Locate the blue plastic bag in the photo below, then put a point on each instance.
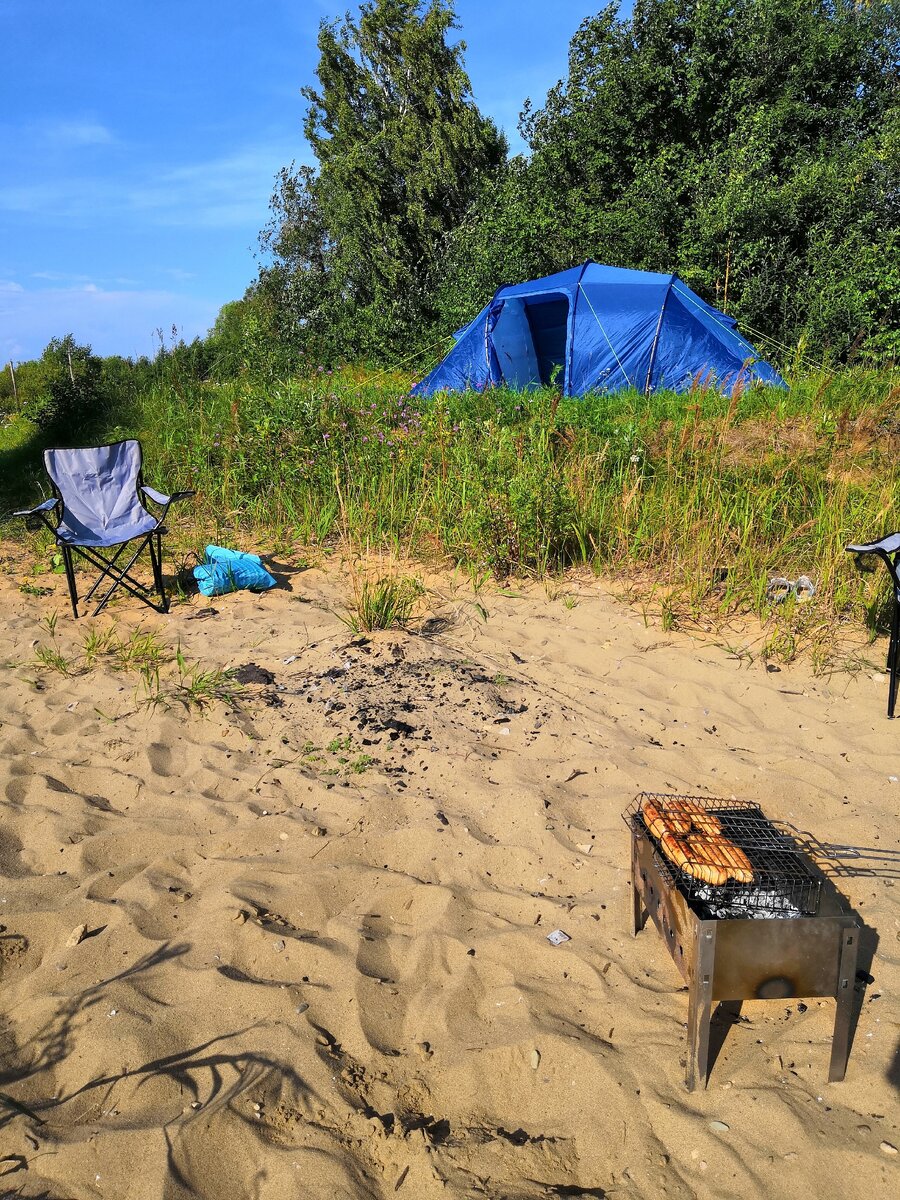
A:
(224, 571)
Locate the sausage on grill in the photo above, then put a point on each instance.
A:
(660, 822)
(692, 860)
(698, 816)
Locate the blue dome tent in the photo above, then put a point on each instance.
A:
(599, 329)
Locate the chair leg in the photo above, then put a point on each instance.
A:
(115, 573)
(70, 579)
(119, 580)
(106, 569)
(156, 559)
(894, 659)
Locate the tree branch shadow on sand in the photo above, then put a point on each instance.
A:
(55, 1041)
(205, 1073)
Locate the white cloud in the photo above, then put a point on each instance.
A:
(111, 321)
(7, 285)
(76, 133)
(232, 191)
(60, 277)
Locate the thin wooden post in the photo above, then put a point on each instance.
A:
(12, 375)
(727, 272)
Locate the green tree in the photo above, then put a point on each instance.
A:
(357, 243)
(749, 145)
(63, 391)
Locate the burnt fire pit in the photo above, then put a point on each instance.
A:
(743, 910)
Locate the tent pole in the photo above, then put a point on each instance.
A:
(656, 336)
(570, 330)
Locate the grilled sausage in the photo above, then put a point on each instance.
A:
(661, 820)
(739, 863)
(705, 863)
(720, 852)
(693, 861)
(697, 815)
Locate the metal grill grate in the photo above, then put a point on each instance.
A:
(785, 883)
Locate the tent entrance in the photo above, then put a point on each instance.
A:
(530, 339)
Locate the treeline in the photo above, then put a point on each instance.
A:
(70, 390)
(752, 146)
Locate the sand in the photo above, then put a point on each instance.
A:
(316, 960)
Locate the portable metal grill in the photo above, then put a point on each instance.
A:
(784, 884)
(786, 934)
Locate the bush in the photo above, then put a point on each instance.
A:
(66, 388)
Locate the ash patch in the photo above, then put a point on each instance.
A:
(398, 695)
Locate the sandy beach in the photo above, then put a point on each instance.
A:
(314, 960)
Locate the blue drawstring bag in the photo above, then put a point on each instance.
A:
(224, 571)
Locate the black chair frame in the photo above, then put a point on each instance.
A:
(110, 567)
(888, 550)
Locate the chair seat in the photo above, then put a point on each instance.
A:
(114, 532)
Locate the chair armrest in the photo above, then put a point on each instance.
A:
(41, 508)
(159, 498)
(888, 545)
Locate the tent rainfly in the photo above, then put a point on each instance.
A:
(599, 329)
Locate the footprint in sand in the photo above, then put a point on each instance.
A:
(16, 791)
(13, 948)
(11, 864)
(160, 759)
(398, 961)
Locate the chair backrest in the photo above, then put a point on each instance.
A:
(98, 485)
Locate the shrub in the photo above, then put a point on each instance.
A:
(66, 389)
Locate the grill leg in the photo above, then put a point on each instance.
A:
(840, 1041)
(638, 915)
(700, 1006)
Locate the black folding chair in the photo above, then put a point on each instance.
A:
(888, 550)
(97, 506)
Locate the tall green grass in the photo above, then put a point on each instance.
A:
(698, 498)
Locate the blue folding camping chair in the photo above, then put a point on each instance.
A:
(97, 507)
(888, 550)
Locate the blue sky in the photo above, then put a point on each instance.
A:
(140, 142)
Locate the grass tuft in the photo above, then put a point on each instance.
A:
(383, 603)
